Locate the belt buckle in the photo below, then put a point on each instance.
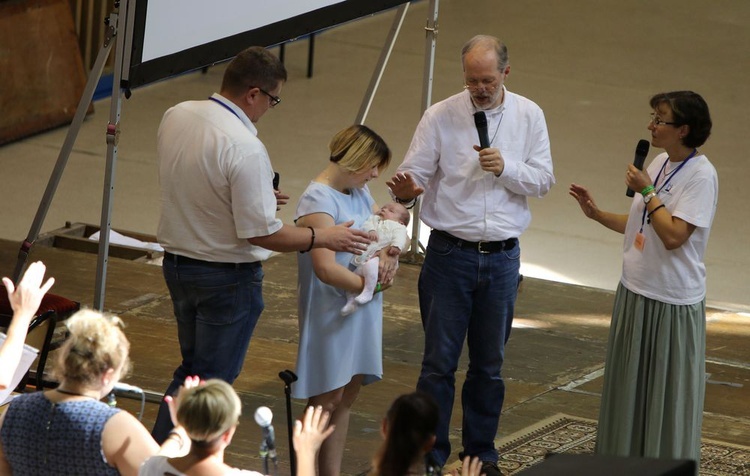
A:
(479, 247)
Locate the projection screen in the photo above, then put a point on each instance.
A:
(168, 37)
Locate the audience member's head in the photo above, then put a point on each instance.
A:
(95, 353)
(409, 431)
(209, 411)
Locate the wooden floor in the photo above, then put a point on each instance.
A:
(553, 362)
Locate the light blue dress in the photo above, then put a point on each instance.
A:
(333, 348)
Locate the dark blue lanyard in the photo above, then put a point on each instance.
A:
(225, 107)
(663, 168)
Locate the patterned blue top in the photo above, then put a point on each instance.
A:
(41, 437)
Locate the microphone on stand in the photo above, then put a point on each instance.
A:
(263, 417)
(641, 151)
(120, 387)
(480, 120)
(123, 387)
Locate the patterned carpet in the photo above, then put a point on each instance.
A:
(566, 434)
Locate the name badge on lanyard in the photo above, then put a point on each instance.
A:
(640, 241)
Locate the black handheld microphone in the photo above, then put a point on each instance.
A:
(641, 151)
(480, 120)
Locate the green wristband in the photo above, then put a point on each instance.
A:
(647, 190)
(378, 288)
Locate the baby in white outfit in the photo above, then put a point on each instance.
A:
(387, 227)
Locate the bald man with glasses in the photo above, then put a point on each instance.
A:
(475, 201)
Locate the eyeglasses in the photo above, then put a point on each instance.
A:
(487, 85)
(658, 122)
(275, 100)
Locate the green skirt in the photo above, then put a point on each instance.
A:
(654, 379)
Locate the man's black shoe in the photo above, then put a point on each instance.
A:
(489, 468)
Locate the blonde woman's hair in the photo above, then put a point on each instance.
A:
(358, 148)
(208, 410)
(95, 344)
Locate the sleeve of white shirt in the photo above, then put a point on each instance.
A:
(253, 198)
(532, 177)
(697, 202)
(421, 160)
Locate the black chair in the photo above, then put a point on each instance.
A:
(52, 310)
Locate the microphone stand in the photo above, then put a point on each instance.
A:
(289, 377)
(267, 454)
(263, 452)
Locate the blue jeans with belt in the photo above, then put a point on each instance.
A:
(465, 293)
(217, 306)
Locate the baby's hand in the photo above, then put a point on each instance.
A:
(373, 235)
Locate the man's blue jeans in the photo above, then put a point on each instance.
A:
(464, 294)
(216, 309)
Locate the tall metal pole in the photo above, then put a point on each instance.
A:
(113, 136)
(385, 53)
(416, 251)
(431, 31)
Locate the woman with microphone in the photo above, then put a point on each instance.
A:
(654, 375)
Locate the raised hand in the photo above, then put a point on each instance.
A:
(470, 467)
(25, 299)
(173, 402)
(404, 187)
(309, 436)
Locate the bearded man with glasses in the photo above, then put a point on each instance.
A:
(475, 201)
